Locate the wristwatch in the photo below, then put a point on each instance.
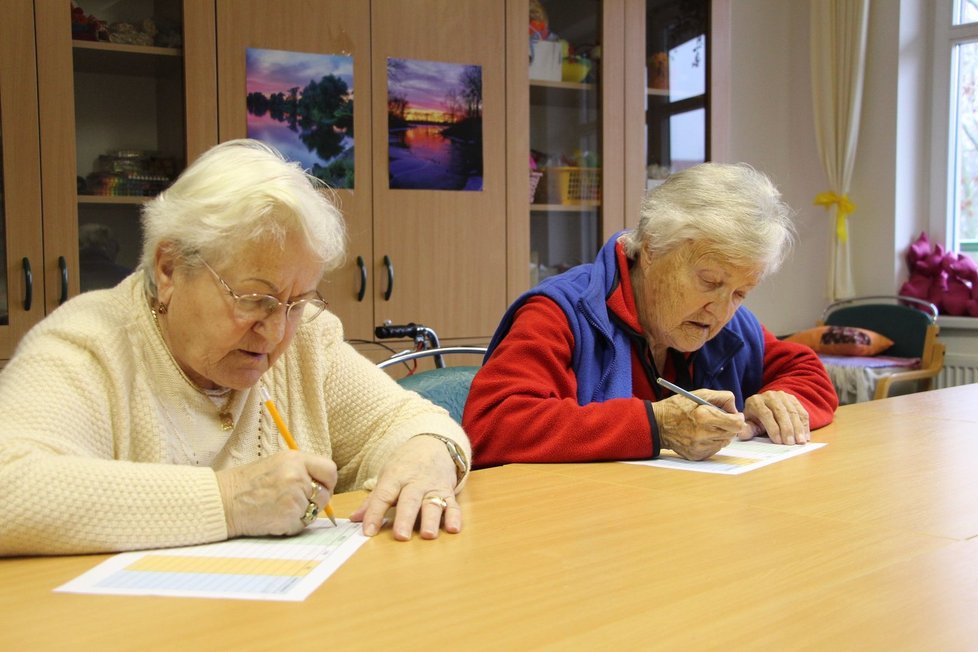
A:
(456, 453)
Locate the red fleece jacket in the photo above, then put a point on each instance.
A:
(522, 406)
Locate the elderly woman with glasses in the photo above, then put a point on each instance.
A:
(572, 373)
(144, 416)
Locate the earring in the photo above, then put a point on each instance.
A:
(161, 308)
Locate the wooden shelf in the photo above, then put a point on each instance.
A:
(562, 85)
(119, 59)
(550, 94)
(109, 200)
(585, 207)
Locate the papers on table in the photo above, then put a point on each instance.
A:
(260, 568)
(735, 458)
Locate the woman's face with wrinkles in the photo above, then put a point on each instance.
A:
(686, 296)
(212, 346)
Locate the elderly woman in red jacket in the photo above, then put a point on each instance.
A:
(571, 373)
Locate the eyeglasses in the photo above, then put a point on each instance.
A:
(258, 307)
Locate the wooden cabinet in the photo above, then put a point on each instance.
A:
(113, 119)
(21, 288)
(449, 259)
(444, 249)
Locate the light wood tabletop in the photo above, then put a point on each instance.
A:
(870, 542)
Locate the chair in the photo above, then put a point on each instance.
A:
(916, 354)
(444, 385)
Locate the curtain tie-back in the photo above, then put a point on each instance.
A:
(844, 208)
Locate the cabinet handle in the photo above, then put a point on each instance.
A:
(390, 277)
(363, 278)
(63, 268)
(28, 284)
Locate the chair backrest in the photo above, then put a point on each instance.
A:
(445, 386)
(912, 329)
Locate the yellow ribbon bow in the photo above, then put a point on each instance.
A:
(844, 208)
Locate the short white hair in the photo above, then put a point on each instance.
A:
(729, 207)
(235, 193)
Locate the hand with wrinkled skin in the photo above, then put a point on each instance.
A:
(778, 414)
(421, 468)
(695, 431)
(270, 496)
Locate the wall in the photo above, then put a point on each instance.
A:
(771, 126)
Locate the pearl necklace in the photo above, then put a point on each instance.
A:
(224, 411)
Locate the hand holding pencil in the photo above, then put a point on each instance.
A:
(311, 513)
(693, 433)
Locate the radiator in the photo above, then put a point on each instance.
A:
(959, 369)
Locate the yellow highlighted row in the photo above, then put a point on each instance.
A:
(223, 565)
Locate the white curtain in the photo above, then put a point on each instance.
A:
(838, 58)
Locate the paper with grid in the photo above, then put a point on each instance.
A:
(259, 568)
(735, 458)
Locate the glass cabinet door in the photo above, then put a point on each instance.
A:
(129, 127)
(566, 136)
(677, 65)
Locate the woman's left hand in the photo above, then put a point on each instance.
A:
(778, 414)
(419, 479)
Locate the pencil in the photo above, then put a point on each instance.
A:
(688, 394)
(287, 436)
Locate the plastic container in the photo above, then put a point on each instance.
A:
(574, 185)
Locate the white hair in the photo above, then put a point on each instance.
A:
(729, 207)
(235, 193)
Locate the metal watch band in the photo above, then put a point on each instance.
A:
(456, 453)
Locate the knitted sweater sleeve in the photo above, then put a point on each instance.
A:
(79, 470)
(368, 415)
(523, 406)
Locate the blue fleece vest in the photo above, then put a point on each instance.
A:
(602, 362)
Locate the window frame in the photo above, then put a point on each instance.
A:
(943, 183)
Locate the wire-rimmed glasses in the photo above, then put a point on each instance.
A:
(258, 307)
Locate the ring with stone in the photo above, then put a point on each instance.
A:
(312, 511)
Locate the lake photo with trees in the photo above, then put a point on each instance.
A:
(302, 104)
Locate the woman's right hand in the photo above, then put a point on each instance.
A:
(695, 431)
(270, 496)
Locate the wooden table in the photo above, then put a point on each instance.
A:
(868, 543)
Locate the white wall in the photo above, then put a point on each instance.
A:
(771, 126)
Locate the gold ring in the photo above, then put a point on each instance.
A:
(437, 500)
(316, 488)
(312, 511)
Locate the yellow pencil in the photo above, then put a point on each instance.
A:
(287, 436)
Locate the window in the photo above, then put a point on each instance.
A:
(956, 61)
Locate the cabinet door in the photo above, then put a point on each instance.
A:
(335, 27)
(667, 92)
(114, 129)
(567, 133)
(21, 291)
(435, 257)
(448, 247)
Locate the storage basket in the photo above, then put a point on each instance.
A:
(574, 185)
(534, 180)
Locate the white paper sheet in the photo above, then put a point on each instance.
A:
(735, 458)
(259, 568)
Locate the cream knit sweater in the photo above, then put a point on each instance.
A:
(98, 428)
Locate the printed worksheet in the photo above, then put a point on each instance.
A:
(735, 458)
(258, 568)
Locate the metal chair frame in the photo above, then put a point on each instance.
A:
(437, 353)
